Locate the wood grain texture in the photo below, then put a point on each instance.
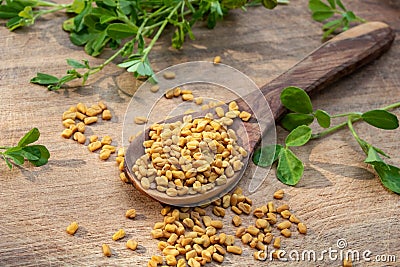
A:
(338, 197)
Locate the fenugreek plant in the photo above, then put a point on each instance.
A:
(290, 168)
(38, 155)
(123, 25)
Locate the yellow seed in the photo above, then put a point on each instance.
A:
(261, 223)
(67, 133)
(94, 146)
(123, 178)
(73, 128)
(236, 210)
(216, 224)
(91, 112)
(284, 225)
(282, 208)
(104, 154)
(69, 115)
(158, 259)
(293, 219)
(234, 249)
(271, 218)
(169, 75)
(258, 212)
(81, 127)
(78, 136)
(286, 214)
(233, 106)
(131, 213)
(68, 122)
(140, 120)
(132, 244)
(106, 115)
(217, 60)
(246, 238)
(90, 120)
(187, 97)
(171, 260)
(154, 88)
(177, 91)
(170, 250)
(236, 220)
(286, 232)
(81, 108)
(118, 235)
(302, 228)
(277, 242)
(157, 233)
(220, 111)
(347, 263)
(218, 258)
(152, 263)
(268, 238)
(102, 105)
(245, 116)
(279, 194)
(80, 116)
(106, 250)
(108, 147)
(192, 262)
(181, 263)
(198, 100)
(93, 138)
(252, 230)
(271, 206)
(72, 228)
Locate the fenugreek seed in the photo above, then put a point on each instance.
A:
(198, 229)
(261, 223)
(231, 114)
(236, 220)
(140, 120)
(131, 213)
(118, 235)
(67, 133)
(94, 146)
(169, 75)
(245, 116)
(187, 97)
(217, 257)
(106, 115)
(234, 249)
(219, 211)
(177, 91)
(210, 230)
(279, 194)
(293, 219)
(216, 224)
(246, 238)
(93, 138)
(302, 228)
(259, 255)
(145, 183)
(220, 249)
(206, 220)
(92, 112)
(271, 218)
(68, 122)
(258, 212)
(72, 228)
(172, 192)
(90, 120)
(286, 232)
(171, 260)
(69, 115)
(260, 245)
(157, 233)
(162, 244)
(158, 259)
(109, 147)
(286, 214)
(81, 108)
(217, 59)
(220, 111)
(347, 263)
(271, 207)
(80, 116)
(252, 230)
(170, 250)
(81, 127)
(277, 242)
(165, 210)
(181, 263)
(284, 225)
(104, 154)
(234, 199)
(188, 223)
(282, 208)
(268, 238)
(123, 177)
(132, 244)
(236, 210)
(192, 262)
(222, 238)
(198, 249)
(169, 94)
(245, 207)
(106, 250)
(233, 106)
(154, 88)
(226, 201)
(190, 254)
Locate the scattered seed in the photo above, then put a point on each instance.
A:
(302, 228)
(72, 228)
(131, 213)
(118, 235)
(279, 194)
(132, 244)
(169, 75)
(106, 250)
(140, 120)
(155, 88)
(217, 60)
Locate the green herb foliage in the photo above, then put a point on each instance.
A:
(341, 18)
(290, 168)
(38, 155)
(121, 25)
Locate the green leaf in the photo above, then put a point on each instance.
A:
(7, 12)
(290, 168)
(332, 3)
(30, 153)
(373, 156)
(296, 99)
(68, 25)
(77, 6)
(323, 118)
(317, 5)
(381, 119)
(389, 176)
(75, 64)
(265, 156)
(340, 4)
(269, 4)
(26, 13)
(44, 79)
(299, 136)
(16, 158)
(350, 16)
(293, 120)
(44, 155)
(120, 31)
(331, 23)
(29, 137)
(322, 15)
(8, 162)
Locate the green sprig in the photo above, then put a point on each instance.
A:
(38, 155)
(290, 169)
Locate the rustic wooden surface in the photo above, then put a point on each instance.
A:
(338, 197)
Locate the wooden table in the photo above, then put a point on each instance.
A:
(339, 197)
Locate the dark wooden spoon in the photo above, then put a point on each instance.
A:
(334, 59)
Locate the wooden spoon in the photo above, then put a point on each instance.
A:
(334, 59)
